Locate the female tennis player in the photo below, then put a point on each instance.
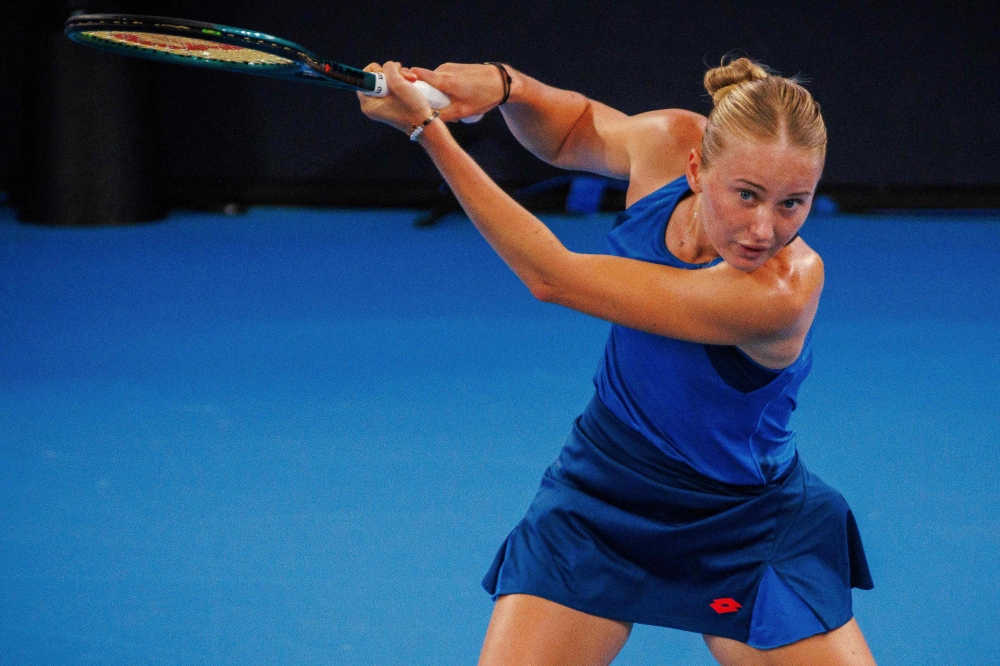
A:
(679, 499)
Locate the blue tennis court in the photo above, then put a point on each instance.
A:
(298, 436)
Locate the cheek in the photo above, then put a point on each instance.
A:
(729, 218)
(788, 227)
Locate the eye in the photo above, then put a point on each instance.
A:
(791, 204)
(746, 195)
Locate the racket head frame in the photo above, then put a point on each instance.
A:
(302, 65)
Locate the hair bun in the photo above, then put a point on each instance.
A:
(720, 81)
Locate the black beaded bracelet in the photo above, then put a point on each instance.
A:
(505, 75)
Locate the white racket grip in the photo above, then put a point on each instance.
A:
(436, 98)
(381, 89)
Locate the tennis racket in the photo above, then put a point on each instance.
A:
(231, 49)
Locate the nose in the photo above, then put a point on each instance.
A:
(762, 227)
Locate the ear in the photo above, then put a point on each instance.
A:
(694, 170)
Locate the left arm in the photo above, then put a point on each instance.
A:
(719, 305)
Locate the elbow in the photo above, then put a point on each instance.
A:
(542, 291)
(550, 281)
(544, 286)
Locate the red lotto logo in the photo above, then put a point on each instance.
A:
(726, 605)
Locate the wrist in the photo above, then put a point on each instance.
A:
(517, 83)
(505, 81)
(416, 129)
(433, 133)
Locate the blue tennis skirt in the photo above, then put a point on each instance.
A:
(620, 531)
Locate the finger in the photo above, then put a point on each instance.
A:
(373, 67)
(450, 116)
(408, 74)
(391, 70)
(398, 84)
(430, 76)
(455, 112)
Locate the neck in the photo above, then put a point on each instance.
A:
(691, 245)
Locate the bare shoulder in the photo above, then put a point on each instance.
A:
(788, 289)
(793, 278)
(804, 269)
(659, 145)
(670, 123)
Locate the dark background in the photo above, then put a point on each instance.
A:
(909, 93)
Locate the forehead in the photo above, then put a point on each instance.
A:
(776, 166)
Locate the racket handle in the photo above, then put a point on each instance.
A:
(439, 100)
(434, 97)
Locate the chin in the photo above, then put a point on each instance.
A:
(744, 264)
(745, 260)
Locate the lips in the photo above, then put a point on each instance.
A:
(752, 250)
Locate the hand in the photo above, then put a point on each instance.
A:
(473, 89)
(404, 106)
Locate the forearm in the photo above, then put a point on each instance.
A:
(530, 249)
(561, 127)
(718, 305)
(540, 116)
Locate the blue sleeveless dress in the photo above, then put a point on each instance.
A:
(679, 499)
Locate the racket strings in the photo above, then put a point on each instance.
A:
(189, 47)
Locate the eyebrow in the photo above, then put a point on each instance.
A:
(764, 189)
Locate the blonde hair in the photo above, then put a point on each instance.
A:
(752, 103)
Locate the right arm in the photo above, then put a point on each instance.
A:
(568, 130)
(716, 305)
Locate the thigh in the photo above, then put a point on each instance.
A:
(531, 631)
(844, 646)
